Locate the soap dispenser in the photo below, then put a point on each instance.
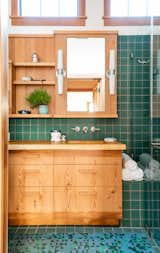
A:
(34, 57)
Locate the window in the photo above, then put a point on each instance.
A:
(131, 12)
(48, 12)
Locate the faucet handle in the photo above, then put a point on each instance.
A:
(76, 129)
(94, 129)
(85, 129)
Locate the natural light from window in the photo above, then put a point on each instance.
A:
(133, 8)
(48, 8)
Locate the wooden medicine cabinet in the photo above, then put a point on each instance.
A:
(79, 69)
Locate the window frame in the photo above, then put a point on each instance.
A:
(126, 21)
(18, 20)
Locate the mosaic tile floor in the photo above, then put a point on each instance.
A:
(83, 239)
(156, 235)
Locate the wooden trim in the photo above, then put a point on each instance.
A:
(129, 21)
(4, 126)
(32, 64)
(31, 36)
(125, 21)
(48, 21)
(81, 8)
(59, 218)
(48, 83)
(68, 145)
(86, 33)
(86, 115)
(14, 7)
(30, 116)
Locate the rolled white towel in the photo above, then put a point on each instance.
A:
(128, 162)
(145, 158)
(156, 175)
(137, 174)
(153, 164)
(148, 173)
(141, 166)
(131, 165)
(126, 175)
(152, 174)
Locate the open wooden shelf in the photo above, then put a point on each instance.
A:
(19, 82)
(30, 116)
(34, 64)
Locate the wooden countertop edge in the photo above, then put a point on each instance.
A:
(66, 146)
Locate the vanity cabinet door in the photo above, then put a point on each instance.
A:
(93, 157)
(31, 157)
(31, 175)
(87, 199)
(85, 175)
(99, 199)
(30, 200)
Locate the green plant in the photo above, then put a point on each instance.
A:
(38, 97)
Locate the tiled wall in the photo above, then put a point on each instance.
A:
(141, 204)
(132, 126)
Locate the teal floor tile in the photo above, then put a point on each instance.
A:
(120, 241)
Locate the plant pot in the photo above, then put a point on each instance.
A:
(43, 109)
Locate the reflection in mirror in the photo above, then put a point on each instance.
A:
(86, 74)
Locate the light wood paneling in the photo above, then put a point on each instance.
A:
(30, 200)
(89, 157)
(30, 158)
(3, 126)
(31, 175)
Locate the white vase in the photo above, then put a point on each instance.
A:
(43, 109)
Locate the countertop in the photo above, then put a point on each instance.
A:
(68, 145)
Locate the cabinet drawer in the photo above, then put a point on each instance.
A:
(31, 175)
(86, 175)
(30, 157)
(30, 199)
(88, 157)
(87, 199)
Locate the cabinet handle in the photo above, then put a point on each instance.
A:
(88, 171)
(30, 171)
(87, 193)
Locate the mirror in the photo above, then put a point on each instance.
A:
(85, 74)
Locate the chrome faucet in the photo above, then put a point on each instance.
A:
(94, 129)
(85, 129)
(76, 129)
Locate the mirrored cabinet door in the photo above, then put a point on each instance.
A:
(86, 74)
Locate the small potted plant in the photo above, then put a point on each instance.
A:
(40, 98)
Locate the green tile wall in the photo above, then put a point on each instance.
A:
(132, 126)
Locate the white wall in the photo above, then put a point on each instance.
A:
(94, 13)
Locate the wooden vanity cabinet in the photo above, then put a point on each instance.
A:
(65, 187)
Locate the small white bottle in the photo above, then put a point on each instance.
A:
(34, 57)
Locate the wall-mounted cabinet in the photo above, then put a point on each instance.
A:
(82, 63)
(42, 73)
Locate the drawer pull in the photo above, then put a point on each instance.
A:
(87, 193)
(88, 171)
(30, 171)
